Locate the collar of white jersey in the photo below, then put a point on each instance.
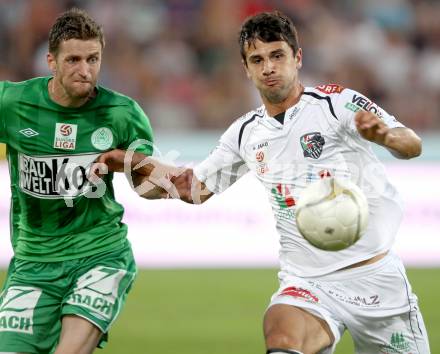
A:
(290, 115)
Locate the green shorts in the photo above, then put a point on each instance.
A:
(37, 295)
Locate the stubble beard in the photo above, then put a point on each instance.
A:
(276, 96)
(76, 93)
(280, 94)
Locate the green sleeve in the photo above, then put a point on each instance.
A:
(2, 115)
(138, 128)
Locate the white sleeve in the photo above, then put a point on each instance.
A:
(224, 166)
(348, 102)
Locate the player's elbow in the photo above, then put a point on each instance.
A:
(417, 149)
(414, 147)
(404, 143)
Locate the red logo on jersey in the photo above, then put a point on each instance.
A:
(330, 88)
(300, 293)
(259, 156)
(66, 130)
(283, 196)
(324, 173)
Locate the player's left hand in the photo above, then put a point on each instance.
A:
(371, 127)
(182, 182)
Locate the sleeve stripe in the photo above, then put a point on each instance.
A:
(329, 102)
(240, 135)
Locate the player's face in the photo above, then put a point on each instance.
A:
(273, 68)
(76, 67)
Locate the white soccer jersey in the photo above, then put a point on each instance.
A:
(318, 139)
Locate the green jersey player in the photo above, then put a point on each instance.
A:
(72, 265)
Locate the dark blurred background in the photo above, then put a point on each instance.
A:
(180, 58)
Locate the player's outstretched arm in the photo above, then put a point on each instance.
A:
(149, 177)
(403, 143)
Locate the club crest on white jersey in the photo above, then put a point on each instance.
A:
(312, 144)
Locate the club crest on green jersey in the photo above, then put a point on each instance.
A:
(102, 138)
(65, 136)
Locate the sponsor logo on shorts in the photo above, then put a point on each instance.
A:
(299, 293)
(97, 304)
(359, 301)
(17, 309)
(372, 300)
(398, 344)
(65, 136)
(97, 291)
(312, 144)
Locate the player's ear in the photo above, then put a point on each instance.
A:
(298, 58)
(51, 63)
(246, 68)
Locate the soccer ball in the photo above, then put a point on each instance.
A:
(332, 213)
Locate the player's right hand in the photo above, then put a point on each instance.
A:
(114, 160)
(371, 127)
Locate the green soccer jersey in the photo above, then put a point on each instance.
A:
(56, 212)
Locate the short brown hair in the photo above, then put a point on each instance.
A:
(268, 27)
(74, 24)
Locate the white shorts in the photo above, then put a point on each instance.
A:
(374, 303)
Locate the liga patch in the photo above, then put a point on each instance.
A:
(17, 309)
(97, 290)
(65, 136)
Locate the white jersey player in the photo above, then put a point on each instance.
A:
(315, 138)
(312, 139)
(299, 135)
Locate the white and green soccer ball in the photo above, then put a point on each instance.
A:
(332, 213)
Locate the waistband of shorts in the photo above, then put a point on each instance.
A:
(358, 272)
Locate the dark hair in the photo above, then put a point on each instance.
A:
(74, 24)
(268, 27)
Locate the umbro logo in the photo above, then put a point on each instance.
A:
(28, 132)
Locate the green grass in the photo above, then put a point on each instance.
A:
(220, 312)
